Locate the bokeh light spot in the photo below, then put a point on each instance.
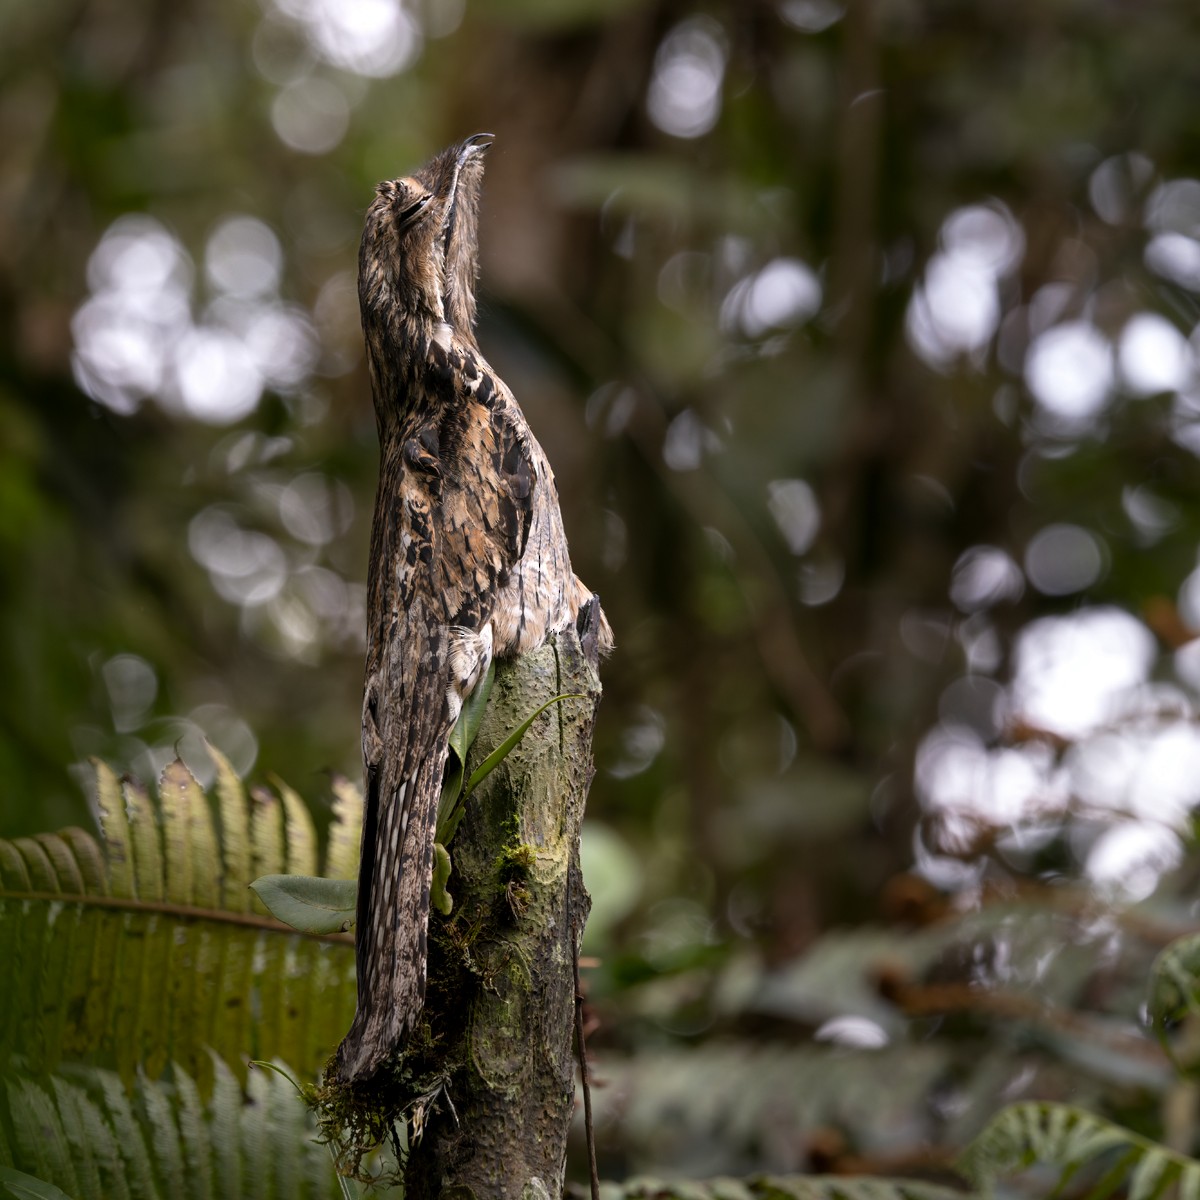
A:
(1154, 356)
(794, 506)
(368, 37)
(785, 293)
(811, 16)
(243, 257)
(1062, 559)
(685, 90)
(215, 379)
(132, 685)
(1175, 206)
(1176, 257)
(1115, 185)
(985, 576)
(311, 116)
(1069, 370)
(1072, 672)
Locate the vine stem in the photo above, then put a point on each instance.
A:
(589, 1129)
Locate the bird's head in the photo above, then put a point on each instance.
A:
(419, 257)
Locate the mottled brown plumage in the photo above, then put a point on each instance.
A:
(468, 560)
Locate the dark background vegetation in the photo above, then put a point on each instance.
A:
(858, 336)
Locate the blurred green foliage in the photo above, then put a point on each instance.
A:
(861, 337)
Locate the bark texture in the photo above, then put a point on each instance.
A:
(501, 995)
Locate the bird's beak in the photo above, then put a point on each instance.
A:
(477, 143)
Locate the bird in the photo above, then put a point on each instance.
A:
(468, 562)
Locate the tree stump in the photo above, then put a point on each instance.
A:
(500, 1002)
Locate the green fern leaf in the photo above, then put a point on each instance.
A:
(300, 832)
(118, 1113)
(114, 826)
(1189, 1186)
(82, 1132)
(89, 860)
(174, 802)
(1174, 992)
(165, 1144)
(236, 856)
(345, 832)
(1069, 1139)
(779, 1187)
(793, 1089)
(224, 1121)
(71, 1103)
(42, 877)
(252, 1128)
(33, 1135)
(149, 877)
(1150, 1177)
(14, 875)
(67, 875)
(130, 981)
(195, 1143)
(266, 834)
(279, 1106)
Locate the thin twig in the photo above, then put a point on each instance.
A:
(587, 1085)
(589, 1129)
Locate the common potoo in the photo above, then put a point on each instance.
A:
(468, 560)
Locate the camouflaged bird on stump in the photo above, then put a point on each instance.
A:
(468, 561)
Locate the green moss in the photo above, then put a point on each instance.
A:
(515, 861)
(367, 1120)
(358, 1119)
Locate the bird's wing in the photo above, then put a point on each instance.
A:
(452, 518)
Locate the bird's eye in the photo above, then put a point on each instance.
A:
(410, 212)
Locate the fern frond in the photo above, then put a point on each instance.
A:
(658, 1105)
(149, 880)
(81, 1131)
(1069, 1139)
(301, 835)
(148, 948)
(346, 830)
(1175, 982)
(777, 1187)
(266, 835)
(236, 847)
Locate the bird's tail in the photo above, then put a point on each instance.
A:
(404, 786)
(393, 915)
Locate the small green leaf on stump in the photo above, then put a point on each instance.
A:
(466, 729)
(462, 737)
(509, 744)
(438, 896)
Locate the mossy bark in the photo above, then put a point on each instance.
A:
(501, 997)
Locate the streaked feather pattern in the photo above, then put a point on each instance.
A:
(468, 559)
